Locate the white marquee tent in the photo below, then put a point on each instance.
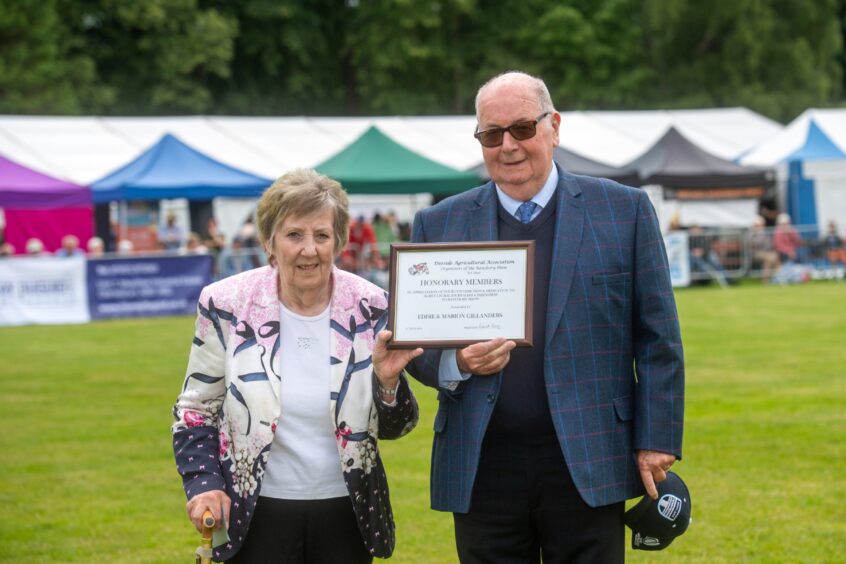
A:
(84, 149)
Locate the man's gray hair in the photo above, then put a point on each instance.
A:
(544, 99)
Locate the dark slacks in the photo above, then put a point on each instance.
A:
(314, 531)
(525, 507)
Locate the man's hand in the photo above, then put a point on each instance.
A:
(653, 466)
(485, 358)
(215, 501)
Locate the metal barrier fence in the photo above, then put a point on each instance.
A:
(779, 254)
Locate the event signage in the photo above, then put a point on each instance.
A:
(678, 257)
(446, 295)
(43, 290)
(146, 286)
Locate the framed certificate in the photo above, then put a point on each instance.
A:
(449, 295)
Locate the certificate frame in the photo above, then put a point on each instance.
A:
(508, 267)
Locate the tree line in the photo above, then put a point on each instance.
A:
(415, 57)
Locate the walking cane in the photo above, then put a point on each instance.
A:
(204, 551)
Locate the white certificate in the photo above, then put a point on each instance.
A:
(447, 295)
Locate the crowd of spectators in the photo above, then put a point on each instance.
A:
(780, 253)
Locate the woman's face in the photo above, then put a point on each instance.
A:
(304, 247)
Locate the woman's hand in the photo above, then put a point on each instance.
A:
(387, 364)
(215, 501)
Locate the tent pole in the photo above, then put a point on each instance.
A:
(122, 220)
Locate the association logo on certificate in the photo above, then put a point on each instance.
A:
(447, 295)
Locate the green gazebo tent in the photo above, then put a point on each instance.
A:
(375, 164)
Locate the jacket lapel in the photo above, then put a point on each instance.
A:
(263, 313)
(341, 334)
(482, 224)
(569, 225)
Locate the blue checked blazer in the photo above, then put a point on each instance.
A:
(613, 361)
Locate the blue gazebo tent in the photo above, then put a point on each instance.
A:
(810, 158)
(801, 196)
(171, 169)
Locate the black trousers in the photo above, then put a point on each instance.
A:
(314, 531)
(525, 509)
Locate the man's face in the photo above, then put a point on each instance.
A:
(520, 168)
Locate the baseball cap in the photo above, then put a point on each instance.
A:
(656, 523)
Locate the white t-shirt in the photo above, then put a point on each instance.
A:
(304, 462)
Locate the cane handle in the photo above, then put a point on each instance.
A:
(208, 520)
(204, 551)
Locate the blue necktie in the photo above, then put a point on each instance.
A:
(525, 211)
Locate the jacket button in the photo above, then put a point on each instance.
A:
(490, 398)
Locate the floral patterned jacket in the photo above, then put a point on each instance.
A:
(226, 415)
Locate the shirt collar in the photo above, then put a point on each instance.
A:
(542, 198)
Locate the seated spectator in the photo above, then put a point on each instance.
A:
(675, 222)
(35, 248)
(194, 245)
(171, 235)
(213, 239)
(768, 209)
(376, 270)
(764, 257)
(70, 247)
(235, 259)
(125, 247)
(385, 233)
(786, 240)
(703, 259)
(404, 229)
(361, 245)
(835, 252)
(6, 248)
(96, 247)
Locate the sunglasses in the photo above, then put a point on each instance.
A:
(520, 131)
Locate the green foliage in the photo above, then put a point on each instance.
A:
(159, 55)
(289, 57)
(38, 73)
(89, 473)
(409, 53)
(320, 57)
(775, 56)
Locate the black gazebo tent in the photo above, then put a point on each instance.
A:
(674, 162)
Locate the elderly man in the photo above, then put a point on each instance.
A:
(70, 247)
(536, 449)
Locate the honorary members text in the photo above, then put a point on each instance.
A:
(462, 282)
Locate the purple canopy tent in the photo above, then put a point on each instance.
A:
(41, 206)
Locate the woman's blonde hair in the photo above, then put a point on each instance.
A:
(302, 192)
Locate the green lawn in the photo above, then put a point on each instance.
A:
(88, 473)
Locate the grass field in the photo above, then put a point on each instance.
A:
(88, 473)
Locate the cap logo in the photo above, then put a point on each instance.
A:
(646, 541)
(669, 506)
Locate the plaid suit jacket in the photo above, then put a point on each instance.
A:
(613, 361)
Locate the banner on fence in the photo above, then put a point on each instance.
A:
(43, 290)
(678, 255)
(147, 286)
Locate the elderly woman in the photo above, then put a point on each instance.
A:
(288, 386)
